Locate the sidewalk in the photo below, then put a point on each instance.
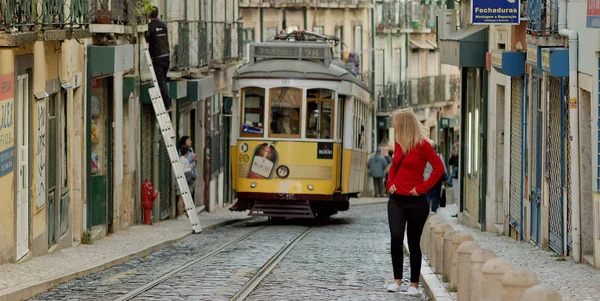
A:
(574, 281)
(24, 280)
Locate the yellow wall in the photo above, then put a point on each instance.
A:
(7, 204)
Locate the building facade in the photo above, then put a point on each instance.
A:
(533, 181)
(41, 128)
(78, 133)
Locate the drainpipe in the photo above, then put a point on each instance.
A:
(374, 95)
(574, 126)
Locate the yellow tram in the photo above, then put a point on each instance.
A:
(300, 129)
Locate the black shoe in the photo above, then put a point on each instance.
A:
(168, 108)
(456, 215)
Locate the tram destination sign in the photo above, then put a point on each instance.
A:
(290, 52)
(489, 12)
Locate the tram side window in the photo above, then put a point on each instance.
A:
(286, 112)
(319, 110)
(253, 113)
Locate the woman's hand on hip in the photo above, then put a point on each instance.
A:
(414, 192)
(392, 188)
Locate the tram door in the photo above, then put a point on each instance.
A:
(340, 135)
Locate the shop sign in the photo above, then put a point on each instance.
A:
(546, 59)
(532, 54)
(497, 58)
(593, 14)
(7, 113)
(488, 12)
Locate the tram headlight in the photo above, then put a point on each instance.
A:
(310, 187)
(253, 185)
(283, 172)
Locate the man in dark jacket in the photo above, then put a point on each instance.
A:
(376, 167)
(158, 44)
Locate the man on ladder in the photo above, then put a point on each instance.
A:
(158, 44)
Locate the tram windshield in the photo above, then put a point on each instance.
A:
(319, 110)
(286, 112)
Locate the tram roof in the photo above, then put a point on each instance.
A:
(309, 60)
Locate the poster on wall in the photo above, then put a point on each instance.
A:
(40, 168)
(7, 141)
(593, 14)
(489, 12)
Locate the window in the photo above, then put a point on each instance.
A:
(319, 30)
(286, 112)
(339, 32)
(433, 65)
(271, 32)
(361, 115)
(358, 39)
(319, 110)
(248, 37)
(253, 103)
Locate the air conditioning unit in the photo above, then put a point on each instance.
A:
(447, 21)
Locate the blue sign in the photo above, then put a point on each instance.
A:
(486, 12)
(6, 161)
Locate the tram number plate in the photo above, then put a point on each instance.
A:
(285, 82)
(313, 53)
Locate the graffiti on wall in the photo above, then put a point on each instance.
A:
(7, 112)
(40, 167)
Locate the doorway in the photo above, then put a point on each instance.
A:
(101, 150)
(498, 196)
(23, 97)
(537, 107)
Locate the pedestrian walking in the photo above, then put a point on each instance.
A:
(407, 207)
(376, 166)
(433, 195)
(158, 44)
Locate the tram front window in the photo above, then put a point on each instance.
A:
(285, 112)
(319, 110)
(253, 113)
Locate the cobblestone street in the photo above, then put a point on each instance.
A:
(347, 259)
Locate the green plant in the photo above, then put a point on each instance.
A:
(560, 258)
(452, 289)
(87, 238)
(445, 278)
(143, 8)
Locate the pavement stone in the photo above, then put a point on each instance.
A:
(20, 281)
(574, 281)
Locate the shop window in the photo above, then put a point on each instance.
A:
(253, 102)
(286, 112)
(319, 110)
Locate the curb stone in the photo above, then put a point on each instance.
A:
(25, 292)
(434, 288)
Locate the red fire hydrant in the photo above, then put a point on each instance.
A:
(148, 197)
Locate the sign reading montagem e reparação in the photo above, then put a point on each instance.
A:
(487, 12)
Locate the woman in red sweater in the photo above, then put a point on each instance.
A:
(408, 208)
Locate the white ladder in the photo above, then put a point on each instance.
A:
(166, 129)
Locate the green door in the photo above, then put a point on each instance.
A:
(52, 141)
(99, 135)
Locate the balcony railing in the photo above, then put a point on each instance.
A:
(542, 17)
(414, 14)
(420, 92)
(114, 12)
(227, 41)
(304, 3)
(33, 15)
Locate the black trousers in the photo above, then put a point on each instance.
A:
(410, 213)
(161, 67)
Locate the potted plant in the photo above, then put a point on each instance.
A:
(142, 9)
(103, 14)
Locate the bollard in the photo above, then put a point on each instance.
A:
(457, 240)
(541, 292)
(491, 285)
(464, 251)
(439, 246)
(425, 235)
(431, 244)
(478, 258)
(516, 282)
(448, 254)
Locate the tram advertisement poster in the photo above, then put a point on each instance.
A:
(263, 162)
(6, 123)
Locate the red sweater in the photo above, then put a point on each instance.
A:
(410, 174)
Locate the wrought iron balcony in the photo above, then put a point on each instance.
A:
(412, 15)
(305, 3)
(226, 42)
(114, 12)
(34, 15)
(420, 92)
(542, 17)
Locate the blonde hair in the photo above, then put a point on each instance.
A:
(409, 131)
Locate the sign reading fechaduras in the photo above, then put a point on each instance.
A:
(593, 14)
(488, 12)
(7, 112)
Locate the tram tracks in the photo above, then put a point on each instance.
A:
(250, 285)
